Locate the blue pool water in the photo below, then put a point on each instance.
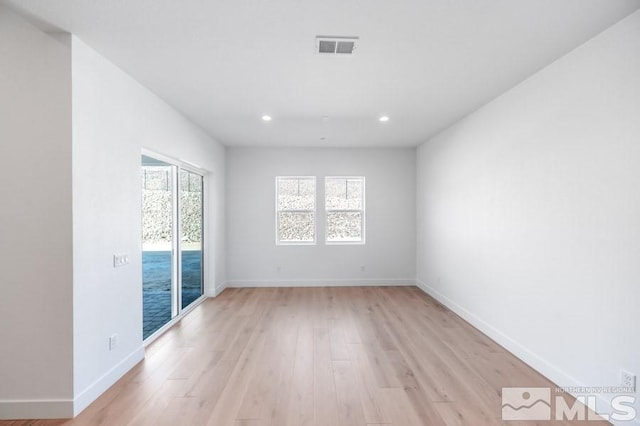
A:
(156, 286)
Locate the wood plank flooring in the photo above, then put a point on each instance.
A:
(317, 357)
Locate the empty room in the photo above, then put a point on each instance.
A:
(288, 213)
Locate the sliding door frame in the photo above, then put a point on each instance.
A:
(177, 311)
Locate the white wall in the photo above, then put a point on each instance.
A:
(389, 253)
(72, 131)
(114, 118)
(529, 214)
(35, 224)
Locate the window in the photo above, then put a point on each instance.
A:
(295, 210)
(344, 204)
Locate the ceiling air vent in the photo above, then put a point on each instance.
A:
(335, 45)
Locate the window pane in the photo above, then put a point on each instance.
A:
(295, 226)
(296, 194)
(191, 209)
(155, 178)
(190, 182)
(344, 226)
(157, 213)
(343, 194)
(191, 201)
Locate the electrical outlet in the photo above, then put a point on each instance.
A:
(113, 341)
(628, 380)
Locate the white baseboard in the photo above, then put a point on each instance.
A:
(529, 357)
(218, 289)
(322, 283)
(68, 408)
(97, 388)
(525, 354)
(36, 409)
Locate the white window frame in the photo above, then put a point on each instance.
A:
(361, 211)
(314, 211)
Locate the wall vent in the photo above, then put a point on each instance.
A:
(332, 45)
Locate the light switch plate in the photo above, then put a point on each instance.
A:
(113, 341)
(120, 259)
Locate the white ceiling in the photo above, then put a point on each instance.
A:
(425, 63)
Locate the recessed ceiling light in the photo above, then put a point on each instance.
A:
(266, 118)
(323, 138)
(384, 118)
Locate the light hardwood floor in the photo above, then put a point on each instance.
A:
(315, 356)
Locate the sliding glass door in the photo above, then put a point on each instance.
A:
(172, 243)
